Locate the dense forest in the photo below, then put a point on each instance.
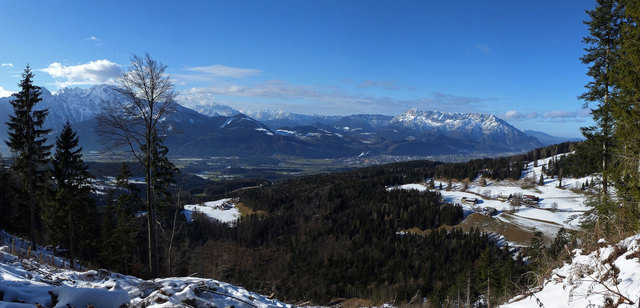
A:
(341, 235)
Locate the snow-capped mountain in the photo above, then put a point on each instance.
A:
(75, 104)
(212, 110)
(280, 118)
(476, 126)
(214, 130)
(428, 121)
(69, 104)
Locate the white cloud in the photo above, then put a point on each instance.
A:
(483, 48)
(225, 71)
(5, 93)
(549, 116)
(308, 99)
(517, 115)
(97, 41)
(385, 84)
(6, 65)
(555, 114)
(94, 72)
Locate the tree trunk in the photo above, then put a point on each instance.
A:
(151, 225)
(173, 229)
(488, 291)
(469, 291)
(151, 214)
(32, 208)
(605, 135)
(71, 250)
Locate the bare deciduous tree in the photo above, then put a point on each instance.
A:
(136, 122)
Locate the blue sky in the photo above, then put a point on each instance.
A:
(518, 60)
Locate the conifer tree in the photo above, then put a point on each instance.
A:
(627, 117)
(73, 204)
(7, 208)
(119, 226)
(163, 171)
(535, 250)
(560, 178)
(602, 53)
(27, 143)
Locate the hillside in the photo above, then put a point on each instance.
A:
(558, 206)
(606, 277)
(25, 282)
(321, 238)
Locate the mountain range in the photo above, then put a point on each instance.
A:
(219, 130)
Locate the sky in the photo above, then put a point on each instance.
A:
(519, 60)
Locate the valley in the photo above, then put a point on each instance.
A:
(320, 154)
(265, 236)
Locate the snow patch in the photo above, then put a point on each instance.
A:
(223, 210)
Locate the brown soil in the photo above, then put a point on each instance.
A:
(511, 232)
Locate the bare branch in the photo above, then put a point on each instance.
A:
(135, 120)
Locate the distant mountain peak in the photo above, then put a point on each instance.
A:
(415, 118)
(212, 110)
(268, 114)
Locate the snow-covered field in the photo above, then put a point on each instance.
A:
(610, 273)
(27, 282)
(556, 208)
(215, 210)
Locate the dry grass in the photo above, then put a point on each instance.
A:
(511, 232)
(245, 210)
(356, 302)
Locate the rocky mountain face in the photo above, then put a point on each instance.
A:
(218, 130)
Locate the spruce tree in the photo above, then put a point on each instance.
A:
(119, 230)
(73, 203)
(163, 171)
(27, 143)
(627, 116)
(601, 54)
(7, 200)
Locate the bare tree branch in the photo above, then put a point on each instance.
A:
(136, 120)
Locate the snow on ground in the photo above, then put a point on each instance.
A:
(25, 282)
(21, 247)
(611, 272)
(556, 208)
(223, 210)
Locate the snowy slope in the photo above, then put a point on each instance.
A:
(610, 274)
(215, 210)
(210, 110)
(69, 104)
(25, 282)
(477, 126)
(558, 207)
